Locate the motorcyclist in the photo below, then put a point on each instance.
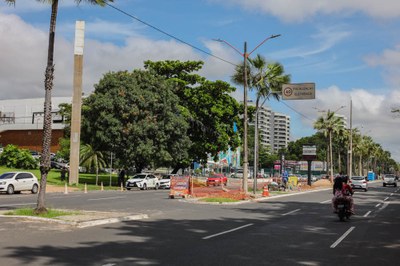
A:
(347, 192)
(337, 191)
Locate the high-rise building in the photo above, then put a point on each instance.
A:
(274, 128)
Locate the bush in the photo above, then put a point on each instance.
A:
(13, 157)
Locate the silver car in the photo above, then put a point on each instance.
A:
(389, 179)
(359, 182)
(18, 181)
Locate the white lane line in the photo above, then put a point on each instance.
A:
(18, 204)
(291, 212)
(326, 201)
(377, 205)
(229, 231)
(108, 198)
(386, 199)
(337, 242)
(368, 213)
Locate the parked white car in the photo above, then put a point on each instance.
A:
(165, 181)
(11, 182)
(143, 181)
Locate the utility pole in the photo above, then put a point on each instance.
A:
(351, 141)
(76, 104)
(245, 145)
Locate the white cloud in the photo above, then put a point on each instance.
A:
(371, 112)
(389, 60)
(299, 10)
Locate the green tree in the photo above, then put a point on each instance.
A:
(14, 157)
(90, 158)
(207, 106)
(137, 116)
(329, 125)
(266, 79)
(48, 86)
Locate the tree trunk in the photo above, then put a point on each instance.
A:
(330, 156)
(48, 85)
(97, 174)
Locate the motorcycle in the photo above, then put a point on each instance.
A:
(343, 208)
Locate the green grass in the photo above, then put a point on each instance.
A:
(219, 200)
(30, 212)
(54, 178)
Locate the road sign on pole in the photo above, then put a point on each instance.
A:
(298, 91)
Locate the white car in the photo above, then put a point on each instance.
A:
(165, 181)
(389, 179)
(359, 182)
(143, 181)
(11, 182)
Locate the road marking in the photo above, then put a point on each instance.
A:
(377, 205)
(108, 198)
(291, 212)
(19, 204)
(326, 201)
(342, 237)
(229, 231)
(391, 194)
(368, 213)
(386, 199)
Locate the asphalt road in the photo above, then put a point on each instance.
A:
(295, 230)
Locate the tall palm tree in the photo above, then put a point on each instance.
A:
(48, 86)
(90, 158)
(266, 79)
(329, 125)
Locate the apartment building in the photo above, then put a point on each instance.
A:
(274, 128)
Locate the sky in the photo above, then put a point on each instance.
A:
(349, 48)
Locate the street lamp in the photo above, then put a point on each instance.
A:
(245, 56)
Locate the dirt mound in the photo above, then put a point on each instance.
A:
(322, 183)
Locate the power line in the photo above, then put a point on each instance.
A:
(168, 34)
(306, 117)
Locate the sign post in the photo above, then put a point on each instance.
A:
(309, 154)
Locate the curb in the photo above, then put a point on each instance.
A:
(83, 223)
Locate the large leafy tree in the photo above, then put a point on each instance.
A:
(136, 115)
(207, 106)
(48, 86)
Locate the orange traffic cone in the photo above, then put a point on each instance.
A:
(265, 191)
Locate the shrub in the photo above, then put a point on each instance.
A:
(13, 157)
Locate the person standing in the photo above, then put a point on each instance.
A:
(121, 177)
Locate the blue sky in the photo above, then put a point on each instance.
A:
(350, 49)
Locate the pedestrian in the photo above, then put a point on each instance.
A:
(121, 177)
(63, 173)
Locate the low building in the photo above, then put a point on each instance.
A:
(21, 123)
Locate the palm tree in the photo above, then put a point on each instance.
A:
(48, 86)
(329, 125)
(266, 80)
(90, 158)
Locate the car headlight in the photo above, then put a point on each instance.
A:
(3, 182)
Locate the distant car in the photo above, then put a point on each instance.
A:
(216, 180)
(239, 174)
(11, 182)
(143, 181)
(165, 181)
(389, 179)
(359, 182)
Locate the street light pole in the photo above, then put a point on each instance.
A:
(245, 56)
(245, 144)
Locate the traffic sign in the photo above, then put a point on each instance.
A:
(298, 91)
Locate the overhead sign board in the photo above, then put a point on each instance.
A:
(309, 152)
(298, 91)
